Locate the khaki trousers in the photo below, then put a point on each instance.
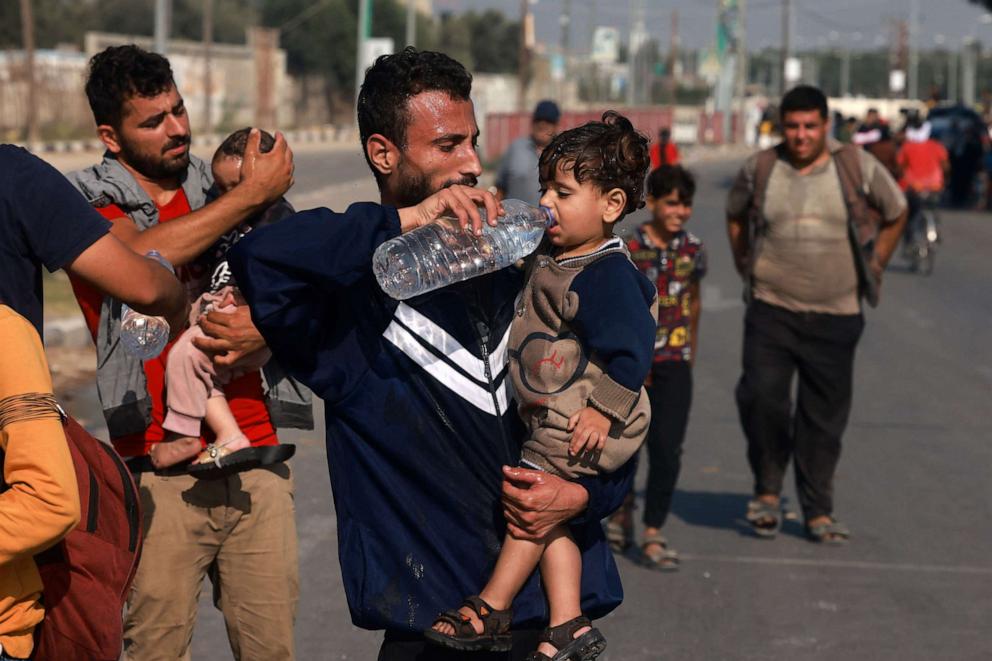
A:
(241, 531)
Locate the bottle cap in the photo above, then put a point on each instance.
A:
(157, 256)
(551, 216)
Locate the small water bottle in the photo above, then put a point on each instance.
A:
(142, 335)
(441, 253)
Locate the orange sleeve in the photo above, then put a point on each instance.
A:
(42, 502)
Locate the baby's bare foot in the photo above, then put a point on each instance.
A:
(172, 452)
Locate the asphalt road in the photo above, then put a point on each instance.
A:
(913, 484)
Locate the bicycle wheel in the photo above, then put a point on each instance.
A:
(929, 241)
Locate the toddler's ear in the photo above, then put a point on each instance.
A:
(615, 202)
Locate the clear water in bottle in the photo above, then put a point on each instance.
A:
(142, 335)
(441, 253)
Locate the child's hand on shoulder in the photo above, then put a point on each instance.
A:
(589, 428)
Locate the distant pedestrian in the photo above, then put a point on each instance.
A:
(792, 213)
(966, 160)
(664, 152)
(673, 259)
(517, 177)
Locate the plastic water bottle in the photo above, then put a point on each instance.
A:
(441, 253)
(142, 335)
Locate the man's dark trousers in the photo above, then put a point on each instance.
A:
(779, 343)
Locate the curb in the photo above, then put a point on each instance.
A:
(325, 133)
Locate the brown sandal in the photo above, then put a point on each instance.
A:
(495, 636)
(586, 647)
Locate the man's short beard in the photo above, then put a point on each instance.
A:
(414, 188)
(155, 167)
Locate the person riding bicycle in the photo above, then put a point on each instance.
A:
(925, 164)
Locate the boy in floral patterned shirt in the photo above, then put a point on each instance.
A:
(675, 261)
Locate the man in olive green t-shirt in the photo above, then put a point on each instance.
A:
(804, 313)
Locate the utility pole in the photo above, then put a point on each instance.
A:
(742, 68)
(411, 23)
(523, 60)
(208, 42)
(845, 73)
(566, 28)
(364, 31)
(786, 47)
(27, 37)
(952, 75)
(912, 89)
(163, 17)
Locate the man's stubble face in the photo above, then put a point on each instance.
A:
(440, 149)
(154, 136)
(805, 133)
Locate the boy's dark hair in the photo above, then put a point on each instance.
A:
(119, 73)
(235, 144)
(393, 80)
(668, 178)
(803, 98)
(610, 154)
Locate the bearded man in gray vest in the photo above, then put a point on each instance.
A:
(240, 528)
(812, 224)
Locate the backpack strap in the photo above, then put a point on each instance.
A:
(755, 230)
(863, 220)
(763, 167)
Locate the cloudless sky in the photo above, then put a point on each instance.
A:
(816, 23)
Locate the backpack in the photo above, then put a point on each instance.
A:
(87, 575)
(863, 220)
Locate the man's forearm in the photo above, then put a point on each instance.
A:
(145, 285)
(738, 245)
(186, 238)
(888, 239)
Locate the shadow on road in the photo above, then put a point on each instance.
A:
(712, 509)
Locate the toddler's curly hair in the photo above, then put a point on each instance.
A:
(610, 153)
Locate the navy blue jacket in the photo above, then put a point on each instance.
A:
(418, 415)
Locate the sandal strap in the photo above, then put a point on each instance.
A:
(493, 621)
(461, 625)
(563, 634)
(655, 538)
(832, 528)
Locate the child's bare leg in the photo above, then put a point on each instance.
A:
(517, 560)
(221, 421)
(561, 573)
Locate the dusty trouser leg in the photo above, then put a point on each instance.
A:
(823, 405)
(763, 398)
(256, 580)
(181, 540)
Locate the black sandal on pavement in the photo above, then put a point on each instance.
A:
(586, 647)
(665, 559)
(765, 518)
(495, 636)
